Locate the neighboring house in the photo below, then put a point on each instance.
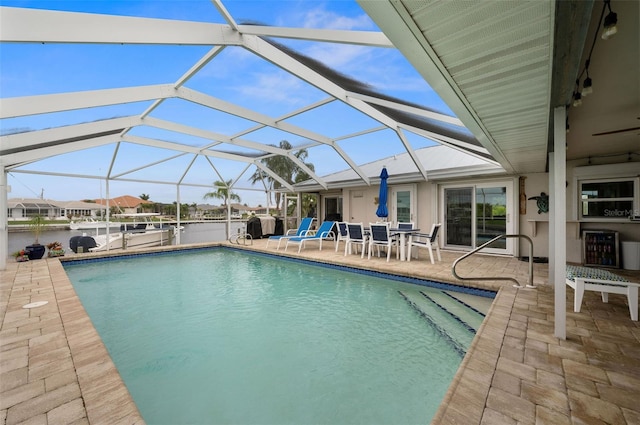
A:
(261, 210)
(237, 210)
(126, 204)
(80, 209)
(26, 208)
(206, 210)
(240, 209)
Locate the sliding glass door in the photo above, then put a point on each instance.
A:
(491, 215)
(475, 214)
(458, 216)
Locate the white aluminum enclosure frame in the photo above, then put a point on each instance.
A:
(18, 25)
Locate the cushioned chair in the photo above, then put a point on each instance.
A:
(302, 230)
(379, 237)
(589, 279)
(428, 241)
(355, 237)
(324, 232)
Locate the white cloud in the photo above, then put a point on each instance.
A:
(340, 56)
(275, 87)
(319, 17)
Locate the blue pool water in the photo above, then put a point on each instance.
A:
(219, 336)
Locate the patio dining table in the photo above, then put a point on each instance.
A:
(403, 233)
(403, 239)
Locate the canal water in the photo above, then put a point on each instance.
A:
(192, 233)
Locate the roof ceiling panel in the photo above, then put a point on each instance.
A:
(497, 55)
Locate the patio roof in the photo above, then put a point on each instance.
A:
(503, 66)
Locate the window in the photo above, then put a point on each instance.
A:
(608, 199)
(333, 208)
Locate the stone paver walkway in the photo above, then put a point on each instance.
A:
(54, 369)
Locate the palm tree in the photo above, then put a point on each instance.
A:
(222, 192)
(285, 168)
(145, 197)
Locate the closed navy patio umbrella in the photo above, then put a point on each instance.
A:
(382, 210)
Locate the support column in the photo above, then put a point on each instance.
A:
(108, 233)
(4, 219)
(558, 220)
(228, 215)
(177, 241)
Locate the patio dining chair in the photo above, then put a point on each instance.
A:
(380, 237)
(428, 241)
(356, 237)
(342, 234)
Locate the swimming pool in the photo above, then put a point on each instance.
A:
(220, 336)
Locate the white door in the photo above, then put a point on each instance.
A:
(402, 207)
(357, 206)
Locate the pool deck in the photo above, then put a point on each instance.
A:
(54, 369)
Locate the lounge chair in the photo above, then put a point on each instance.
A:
(379, 236)
(356, 236)
(590, 279)
(302, 230)
(430, 241)
(324, 232)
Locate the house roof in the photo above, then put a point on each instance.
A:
(126, 201)
(80, 205)
(31, 203)
(439, 162)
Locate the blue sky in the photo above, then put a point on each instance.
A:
(235, 76)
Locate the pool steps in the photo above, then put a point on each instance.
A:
(479, 304)
(457, 308)
(452, 329)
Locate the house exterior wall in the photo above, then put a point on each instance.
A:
(537, 183)
(359, 206)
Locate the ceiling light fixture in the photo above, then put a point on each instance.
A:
(610, 22)
(577, 97)
(610, 29)
(587, 88)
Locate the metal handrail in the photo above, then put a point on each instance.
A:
(242, 234)
(517, 284)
